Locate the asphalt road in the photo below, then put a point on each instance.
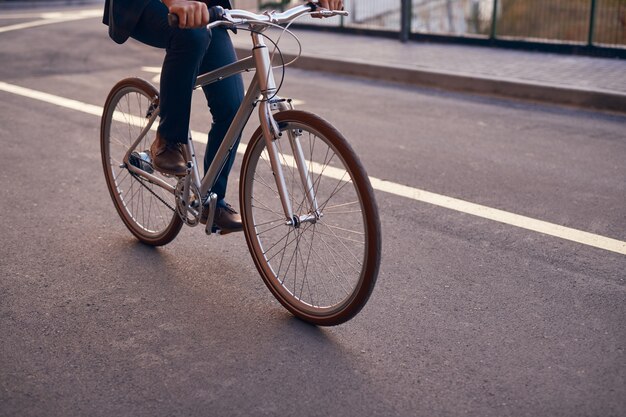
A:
(469, 317)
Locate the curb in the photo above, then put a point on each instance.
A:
(459, 82)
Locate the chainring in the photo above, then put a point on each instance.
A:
(189, 212)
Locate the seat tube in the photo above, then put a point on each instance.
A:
(269, 127)
(190, 156)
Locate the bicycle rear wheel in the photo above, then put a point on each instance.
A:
(321, 270)
(146, 209)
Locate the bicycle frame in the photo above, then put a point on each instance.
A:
(260, 92)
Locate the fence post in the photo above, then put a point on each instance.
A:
(592, 23)
(494, 19)
(405, 20)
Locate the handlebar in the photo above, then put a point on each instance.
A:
(218, 16)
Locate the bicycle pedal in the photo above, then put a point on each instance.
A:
(141, 160)
(208, 213)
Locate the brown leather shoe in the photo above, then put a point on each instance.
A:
(168, 158)
(227, 219)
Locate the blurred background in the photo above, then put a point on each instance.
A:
(579, 26)
(598, 22)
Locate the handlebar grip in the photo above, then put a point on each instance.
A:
(172, 20)
(312, 5)
(215, 13)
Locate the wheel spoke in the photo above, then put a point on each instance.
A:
(144, 206)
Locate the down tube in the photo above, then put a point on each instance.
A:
(234, 131)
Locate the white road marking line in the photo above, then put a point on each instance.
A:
(49, 15)
(22, 16)
(28, 25)
(54, 17)
(52, 99)
(501, 216)
(153, 70)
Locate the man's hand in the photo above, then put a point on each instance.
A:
(191, 14)
(328, 4)
(331, 4)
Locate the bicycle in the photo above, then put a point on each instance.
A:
(309, 214)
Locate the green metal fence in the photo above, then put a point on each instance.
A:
(577, 21)
(567, 25)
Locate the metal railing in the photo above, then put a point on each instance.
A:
(568, 25)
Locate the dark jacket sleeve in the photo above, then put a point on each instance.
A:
(121, 16)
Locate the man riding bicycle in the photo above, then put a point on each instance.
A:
(190, 49)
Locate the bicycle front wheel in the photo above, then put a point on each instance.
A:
(146, 209)
(324, 268)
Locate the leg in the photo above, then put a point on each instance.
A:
(184, 51)
(223, 98)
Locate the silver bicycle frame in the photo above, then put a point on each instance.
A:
(260, 91)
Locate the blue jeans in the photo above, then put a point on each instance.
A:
(189, 52)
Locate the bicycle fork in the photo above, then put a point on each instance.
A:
(271, 133)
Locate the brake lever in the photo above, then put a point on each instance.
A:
(226, 17)
(233, 23)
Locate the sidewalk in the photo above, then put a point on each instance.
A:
(598, 83)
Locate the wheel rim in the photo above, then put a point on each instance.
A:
(317, 268)
(145, 207)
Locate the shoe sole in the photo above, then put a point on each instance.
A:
(226, 231)
(220, 231)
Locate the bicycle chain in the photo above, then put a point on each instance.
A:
(141, 181)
